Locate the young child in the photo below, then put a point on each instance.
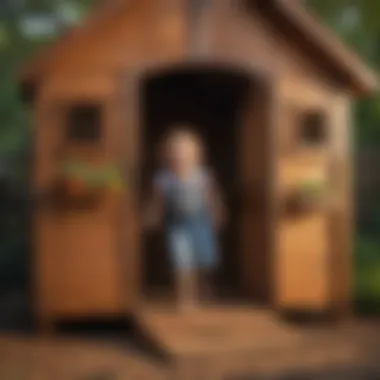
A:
(186, 198)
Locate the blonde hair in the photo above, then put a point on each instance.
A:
(178, 132)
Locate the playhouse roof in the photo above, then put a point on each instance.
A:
(288, 16)
(311, 36)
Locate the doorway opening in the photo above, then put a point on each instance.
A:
(213, 101)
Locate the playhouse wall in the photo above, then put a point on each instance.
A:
(78, 254)
(314, 252)
(129, 37)
(90, 263)
(87, 263)
(311, 256)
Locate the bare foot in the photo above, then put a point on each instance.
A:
(187, 306)
(207, 290)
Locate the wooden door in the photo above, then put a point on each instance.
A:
(257, 153)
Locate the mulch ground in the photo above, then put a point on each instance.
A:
(345, 352)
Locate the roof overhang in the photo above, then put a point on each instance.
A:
(291, 18)
(322, 45)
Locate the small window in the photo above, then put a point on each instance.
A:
(312, 129)
(84, 123)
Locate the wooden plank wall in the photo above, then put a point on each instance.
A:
(147, 34)
(313, 254)
(306, 249)
(87, 263)
(77, 258)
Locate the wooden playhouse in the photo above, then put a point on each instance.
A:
(270, 90)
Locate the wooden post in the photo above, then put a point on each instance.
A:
(257, 173)
(197, 13)
(129, 132)
(341, 214)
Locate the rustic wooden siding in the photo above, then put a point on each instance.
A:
(313, 266)
(307, 252)
(142, 31)
(151, 34)
(78, 260)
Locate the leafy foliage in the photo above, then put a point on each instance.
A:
(356, 22)
(18, 44)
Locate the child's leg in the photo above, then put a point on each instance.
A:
(207, 261)
(186, 289)
(207, 288)
(181, 250)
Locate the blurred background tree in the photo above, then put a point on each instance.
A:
(28, 25)
(356, 21)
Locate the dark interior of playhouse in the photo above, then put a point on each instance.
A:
(213, 102)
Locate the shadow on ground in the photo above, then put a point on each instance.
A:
(115, 343)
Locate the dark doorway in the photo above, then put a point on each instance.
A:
(213, 101)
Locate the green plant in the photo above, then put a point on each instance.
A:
(367, 275)
(93, 175)
(311, 187)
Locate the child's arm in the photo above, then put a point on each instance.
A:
(218, 209)
(154, 209)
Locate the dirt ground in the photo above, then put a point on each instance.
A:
(329, 352)
(345, 352)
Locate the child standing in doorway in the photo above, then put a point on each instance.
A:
(186, 198)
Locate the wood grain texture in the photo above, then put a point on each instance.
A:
(91, 263)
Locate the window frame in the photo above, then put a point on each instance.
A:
(291, 141)
(68, 128)
(321, 140)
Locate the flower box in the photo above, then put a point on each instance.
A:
(80, 183)
(307, 196)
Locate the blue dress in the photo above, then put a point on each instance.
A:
(189, 229)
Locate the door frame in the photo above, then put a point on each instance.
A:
(259, 224)
(131, 93)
